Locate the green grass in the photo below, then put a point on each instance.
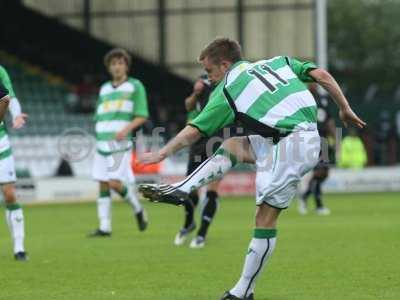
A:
(353, 254)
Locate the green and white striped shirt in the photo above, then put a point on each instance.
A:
(271, 92)
(5, 147)
(116, 108)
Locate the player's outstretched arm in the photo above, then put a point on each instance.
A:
(186, 137)
(19, 118)
(327, 81)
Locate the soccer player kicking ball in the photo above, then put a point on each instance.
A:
(270, 97)
(121, 109)
(14, 213)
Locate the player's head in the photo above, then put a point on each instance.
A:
(218, 56)
(117, 62)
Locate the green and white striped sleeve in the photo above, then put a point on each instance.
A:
(302, 68)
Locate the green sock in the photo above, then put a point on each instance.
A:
(13, 206)
(130, 196)
(104, 194)
(124, 192)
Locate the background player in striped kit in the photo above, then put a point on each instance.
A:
(271, 98)
(14, 213)
(121, 109)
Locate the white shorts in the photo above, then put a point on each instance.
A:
(7, 170)
(281, 166)
(113, 167)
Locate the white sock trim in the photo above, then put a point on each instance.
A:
(16, 225)
(253, 266)
(104, 213)
(210, 170)
(134, 199)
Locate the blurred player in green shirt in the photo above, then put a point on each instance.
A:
(14, 213)
(121, 109)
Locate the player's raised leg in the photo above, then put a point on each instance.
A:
(232, 150)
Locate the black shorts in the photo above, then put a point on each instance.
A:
(322, 165)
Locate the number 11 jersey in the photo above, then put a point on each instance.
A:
(272, 93)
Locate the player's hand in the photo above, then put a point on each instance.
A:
(19, 121)
(151, 157)
(198, 87)
(121, 135)
(348, 117)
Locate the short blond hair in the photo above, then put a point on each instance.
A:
(220, 49)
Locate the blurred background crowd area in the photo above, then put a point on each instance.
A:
(54, 54)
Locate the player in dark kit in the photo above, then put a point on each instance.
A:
(198, 153)
(326, 129)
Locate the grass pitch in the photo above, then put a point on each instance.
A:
(354, 254)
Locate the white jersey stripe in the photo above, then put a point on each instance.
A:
(256, 88)
(288, 106)
(126, 87)
(285, 72)
(249, 95)
(236, 72)
(112, 145)
(110, 126)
